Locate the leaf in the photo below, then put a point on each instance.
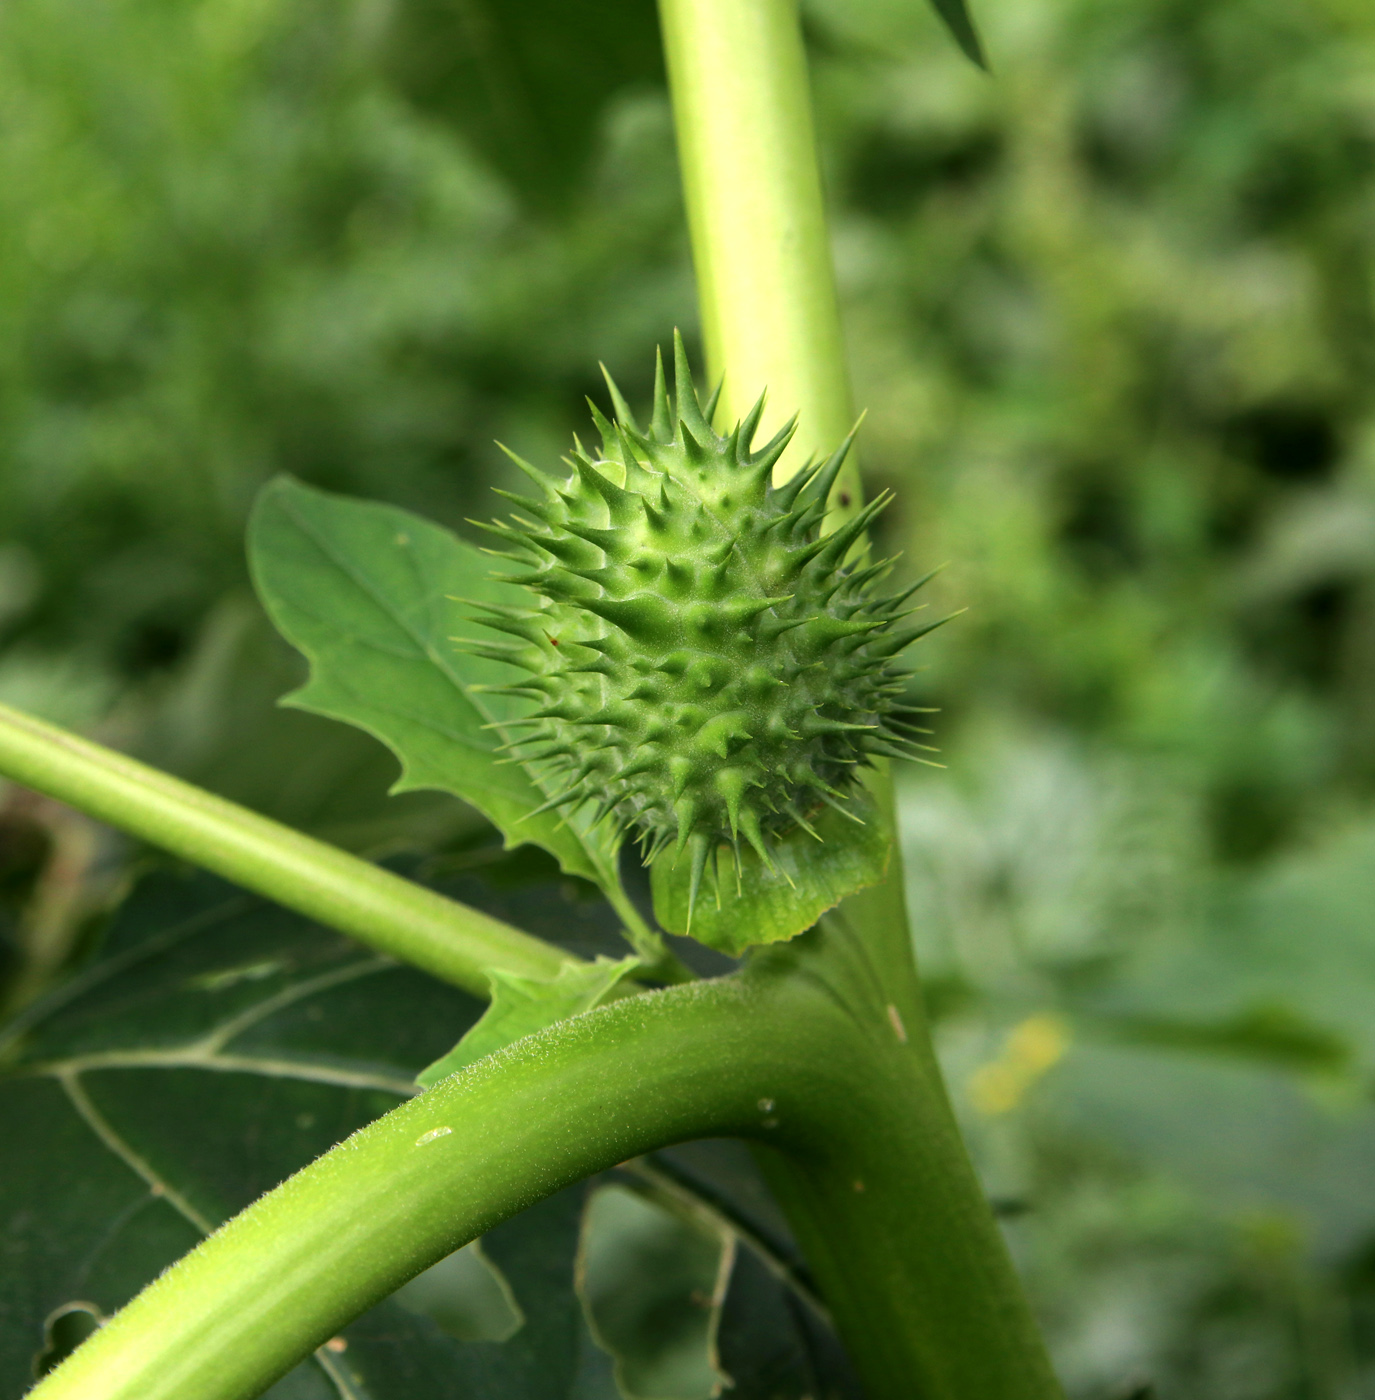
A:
(520, 1006)
(773, 905)
(1286, 962)
(960, 23)
(216, 1045)
(653, 1279)
(552, 1357)
(528, 84)
(370, 594)
(721, 1175)
(1271, 1144)
(769, 1338)
(772, 1343)
(216, 723)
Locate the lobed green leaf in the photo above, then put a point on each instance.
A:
(373, 597)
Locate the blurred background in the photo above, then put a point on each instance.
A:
(1112, 313)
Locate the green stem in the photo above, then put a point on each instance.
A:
(395, 916)
(770, 317)
(741, 105)
(889, 1212)
(823, 1037)
(796, 1054)
(765, 281)
(660, 963)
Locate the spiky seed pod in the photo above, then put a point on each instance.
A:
(706, 664)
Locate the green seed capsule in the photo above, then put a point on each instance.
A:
(711, 666)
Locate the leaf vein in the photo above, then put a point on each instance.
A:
(222, 1034)
(109, 967)
(105, 1131)
(189, 1057)
(364, 584)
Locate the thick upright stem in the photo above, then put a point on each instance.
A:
(765, 280)
(888, 1210)
(395, 916)
(933, 1307)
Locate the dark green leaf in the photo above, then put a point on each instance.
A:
(654, 1278)
(960, 23)
(216, 1045)
(398, 1354)
(809, 877)
(774, 1345)
(373, 596)
(769, 1334)
(524, 887)
(721, 1175)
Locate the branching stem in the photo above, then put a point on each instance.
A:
(796, 1054)
(818, 1051)
(342, 891)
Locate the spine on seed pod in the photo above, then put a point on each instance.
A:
(707, 664)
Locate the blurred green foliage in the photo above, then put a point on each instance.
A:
(1112, 312)
(234, 245)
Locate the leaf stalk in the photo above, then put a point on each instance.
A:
(391, 914)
